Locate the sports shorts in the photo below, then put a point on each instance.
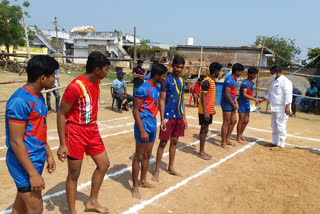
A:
(174, 128)
(82, 139)
(244, 108)
(202, 121)
(150, 126)
(17, 171)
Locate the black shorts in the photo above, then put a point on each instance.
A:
(202, 121)
(24, 189)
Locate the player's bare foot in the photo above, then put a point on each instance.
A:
(94, 206)
(240, 141)
(135, 193)
(223, 144)
(229, 142)
(243, 139)
(146, 185)
(155, 176)
(204, 156)
(174, 172)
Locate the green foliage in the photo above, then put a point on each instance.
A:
(286, 48)
(11, 28)
(313, 52)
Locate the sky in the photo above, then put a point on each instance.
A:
(209, 22)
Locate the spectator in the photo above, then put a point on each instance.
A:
(55, 92)
(196, 89)
(120, 91)
(226, 72)
(163, 61)
(138, 75)
(295, 101)
(311, 92)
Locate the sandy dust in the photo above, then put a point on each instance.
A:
(256, 180)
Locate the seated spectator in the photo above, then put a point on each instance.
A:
(196, 89)
(295, 101)
(311, 92)
(120, 91)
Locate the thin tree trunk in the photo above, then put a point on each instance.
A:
(7, 58)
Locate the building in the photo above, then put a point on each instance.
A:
(248, 56)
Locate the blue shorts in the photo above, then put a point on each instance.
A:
(150, 126)
(18, 173)
(225, 105)
(244, 108)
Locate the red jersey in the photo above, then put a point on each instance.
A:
(84, 97)
(197, 88)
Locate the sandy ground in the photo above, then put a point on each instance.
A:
(256, 180)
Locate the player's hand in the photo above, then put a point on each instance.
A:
(36, 183)
(235, 106)
(144, 136)
(51, 164)
(124, 96)
(287, 110)
(185, 124)
(62, 153)
(206, 117)
(163, 126)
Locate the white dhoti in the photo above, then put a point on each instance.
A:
(279, 128)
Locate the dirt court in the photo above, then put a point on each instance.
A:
(244, 178)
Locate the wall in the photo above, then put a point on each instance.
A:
(248, 58)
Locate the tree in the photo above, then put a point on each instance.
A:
(286, 48)
(312, 53)
(11, 28)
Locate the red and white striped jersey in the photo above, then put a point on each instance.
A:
(84, 97)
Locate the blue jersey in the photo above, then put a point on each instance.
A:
(249, 86)
(229, 82)
(150, 96)
(30, 109)
(174, 89)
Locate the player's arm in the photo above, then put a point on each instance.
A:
(162, 107)
(184, 112)
(247, 96)
(61, 124)
(17, 131)
(51, 167)
(137, 118)
(204, 105)
(229, 99)
(124, 92)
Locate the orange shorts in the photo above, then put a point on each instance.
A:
(83, 138)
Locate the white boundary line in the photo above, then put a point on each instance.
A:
(115, 174)
(261, 139)
(136, 208)
(102, 136)
(263, 130)
(49, 138)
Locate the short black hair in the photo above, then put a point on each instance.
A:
(229, 64)
(200, 79)
(237, 67)
(165, 59)
(41, 65)
(158, 69)
(253, 70)
(139, 61)
(96, 60)
(214, 67)
(178, 60)
(276, 68)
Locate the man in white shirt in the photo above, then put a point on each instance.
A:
(280, 96)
